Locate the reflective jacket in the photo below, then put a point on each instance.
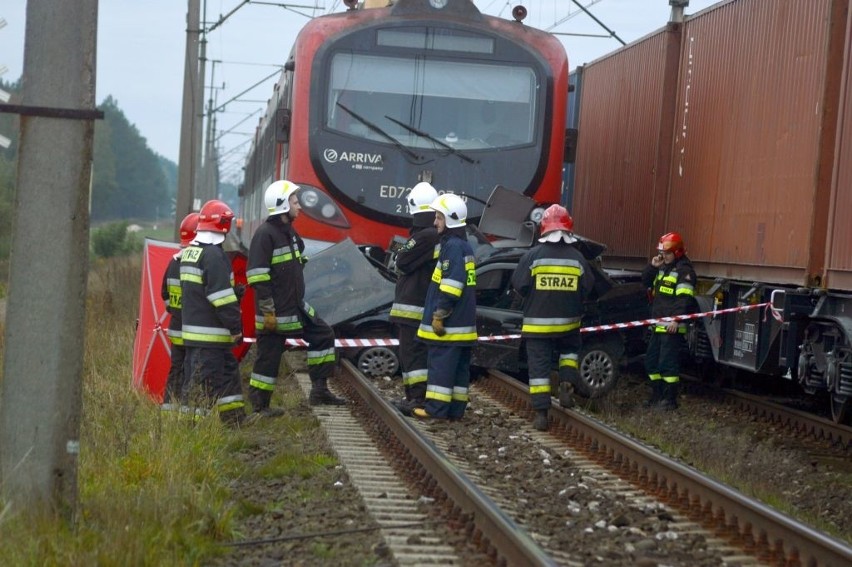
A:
(211, 311)
(673, 286)
(275, 272)
(453, 289)
(554, 278)
(416, 262)
(170, 292)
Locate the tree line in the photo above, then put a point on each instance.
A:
(130, 182)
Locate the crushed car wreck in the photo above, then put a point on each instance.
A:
(353, 290)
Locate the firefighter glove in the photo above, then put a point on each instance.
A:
(438, 321)
(270, 323)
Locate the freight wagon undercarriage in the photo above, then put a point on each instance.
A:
(804, 335)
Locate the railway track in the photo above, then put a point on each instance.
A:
(429, 489)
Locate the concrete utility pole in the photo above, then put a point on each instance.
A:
(187, 167)
(40, 396)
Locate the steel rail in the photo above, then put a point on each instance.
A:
(509, 541)
(759, 529)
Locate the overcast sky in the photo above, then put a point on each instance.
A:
(141, 43)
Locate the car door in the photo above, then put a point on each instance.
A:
(498, 313)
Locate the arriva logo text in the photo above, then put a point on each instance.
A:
(332, 156)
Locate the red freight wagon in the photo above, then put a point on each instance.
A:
(734, 128)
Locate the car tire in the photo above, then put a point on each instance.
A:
(377, 361)
(598, 367)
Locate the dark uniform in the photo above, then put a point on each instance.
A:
(453, 290)
(275, 272)
(416, 262)
(674, 294)
(211, 317)
(171, 294)
(554, 279)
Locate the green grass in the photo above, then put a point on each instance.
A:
(153, 488)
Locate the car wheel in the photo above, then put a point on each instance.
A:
(598, 368)
(378, 361)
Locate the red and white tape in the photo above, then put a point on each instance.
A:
(360, 343)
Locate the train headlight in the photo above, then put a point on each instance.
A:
(309, 199)
(319, 206)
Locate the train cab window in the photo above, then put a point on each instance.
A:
(467, 104)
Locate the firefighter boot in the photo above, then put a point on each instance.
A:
(657, 387)
(260, 403)
(566, 399)
(540, 420)
(322, 396)
(669, 398)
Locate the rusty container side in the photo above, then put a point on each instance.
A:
(619, 135)
(839, 244)
(747, 138)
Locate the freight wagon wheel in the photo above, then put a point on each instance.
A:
(598, 366)
(841, 408)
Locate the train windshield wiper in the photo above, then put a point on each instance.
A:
(379, 131)
(431, 138)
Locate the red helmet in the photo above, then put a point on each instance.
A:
(215, 216)
(672, 242)
(556, 217)
(188, 226)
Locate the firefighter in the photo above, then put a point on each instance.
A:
(415, 263)
(275, 266)
(671, 278)
(449, 316)
(170, 292)
(212, 321)
(554, 278)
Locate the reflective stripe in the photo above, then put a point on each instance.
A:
(206, 334)
(321, 356)
(539, 385)
(224, 297)
(406, 311)
(453, 287)
(453, 333)
(654, 377)
(460, 394)
(414, 377)
(291, 323)
(671, 379)
(681, 329)
(190, 274)
(229, 403)
(262, 382)
(569, 360)
(258, 275)
(685, 289)
(439, 393)
(281, 255)
(550, 324)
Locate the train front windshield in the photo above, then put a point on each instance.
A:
(427, 102)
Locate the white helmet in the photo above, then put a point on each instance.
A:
(277, 197)
(420, 197)
(452, 207)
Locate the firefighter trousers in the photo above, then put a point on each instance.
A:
(540, 363)
(662, 359)
(322, 359)
(413, 363)
(449, 380)
(213, 379)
